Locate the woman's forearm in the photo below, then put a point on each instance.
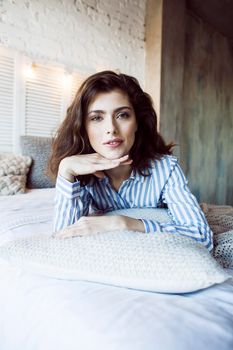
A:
(133, 224)
(91, 225)
(64, 170)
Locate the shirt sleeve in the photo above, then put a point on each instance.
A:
(71, 202)
(184, 210)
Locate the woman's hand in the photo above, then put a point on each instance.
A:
(92, 225)
(89, 164)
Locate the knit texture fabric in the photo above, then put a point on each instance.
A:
(160, 262)
(13, 174)
(38, 148)
(220, 219)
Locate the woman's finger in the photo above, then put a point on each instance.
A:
(66, 234)
(99, 174)
(130, 161)
(109, 165)
(98, 168)
(103, 160)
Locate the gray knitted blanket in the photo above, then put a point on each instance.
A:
(220, 219)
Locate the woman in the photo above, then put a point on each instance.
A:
(108, 155)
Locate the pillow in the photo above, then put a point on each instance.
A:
(219, 217)
(12, 184)
(38, 148)
(158, 262)
(223, 248)
(13, 171)
(159, 214)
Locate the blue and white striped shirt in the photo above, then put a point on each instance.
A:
(165, 184)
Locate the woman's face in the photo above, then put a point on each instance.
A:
(111, 124)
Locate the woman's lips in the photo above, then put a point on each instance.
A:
(113, 143)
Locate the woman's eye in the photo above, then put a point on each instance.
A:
(123, 115)
(96, 118)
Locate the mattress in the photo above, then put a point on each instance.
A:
(38, 312)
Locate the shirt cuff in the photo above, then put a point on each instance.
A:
(151, 226)
(68, 189)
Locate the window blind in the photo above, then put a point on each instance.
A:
(32, 104)
(7, 91)
(43, 101)
(77, 80)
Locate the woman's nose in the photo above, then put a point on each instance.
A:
(111, 132)
(111, 128)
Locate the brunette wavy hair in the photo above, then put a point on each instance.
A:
(71, 137)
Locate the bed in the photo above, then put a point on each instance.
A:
(40, 312)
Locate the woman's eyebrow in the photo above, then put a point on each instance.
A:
(115, 110)
(123, 107)
(96, 111)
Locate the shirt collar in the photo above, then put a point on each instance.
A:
(135, 176)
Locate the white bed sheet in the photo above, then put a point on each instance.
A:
(38, 312)
(25, 214)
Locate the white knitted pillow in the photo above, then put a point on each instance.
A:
(159, 262)
(158, 214)
(13, 171)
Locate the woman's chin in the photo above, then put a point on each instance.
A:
(114, 154)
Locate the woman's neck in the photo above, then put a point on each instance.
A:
(118, 175)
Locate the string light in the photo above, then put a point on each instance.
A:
(29, 70)
(67, 79)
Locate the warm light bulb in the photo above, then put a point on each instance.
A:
(67, 79)
(29, 70)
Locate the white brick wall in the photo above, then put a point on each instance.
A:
(87, 35)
